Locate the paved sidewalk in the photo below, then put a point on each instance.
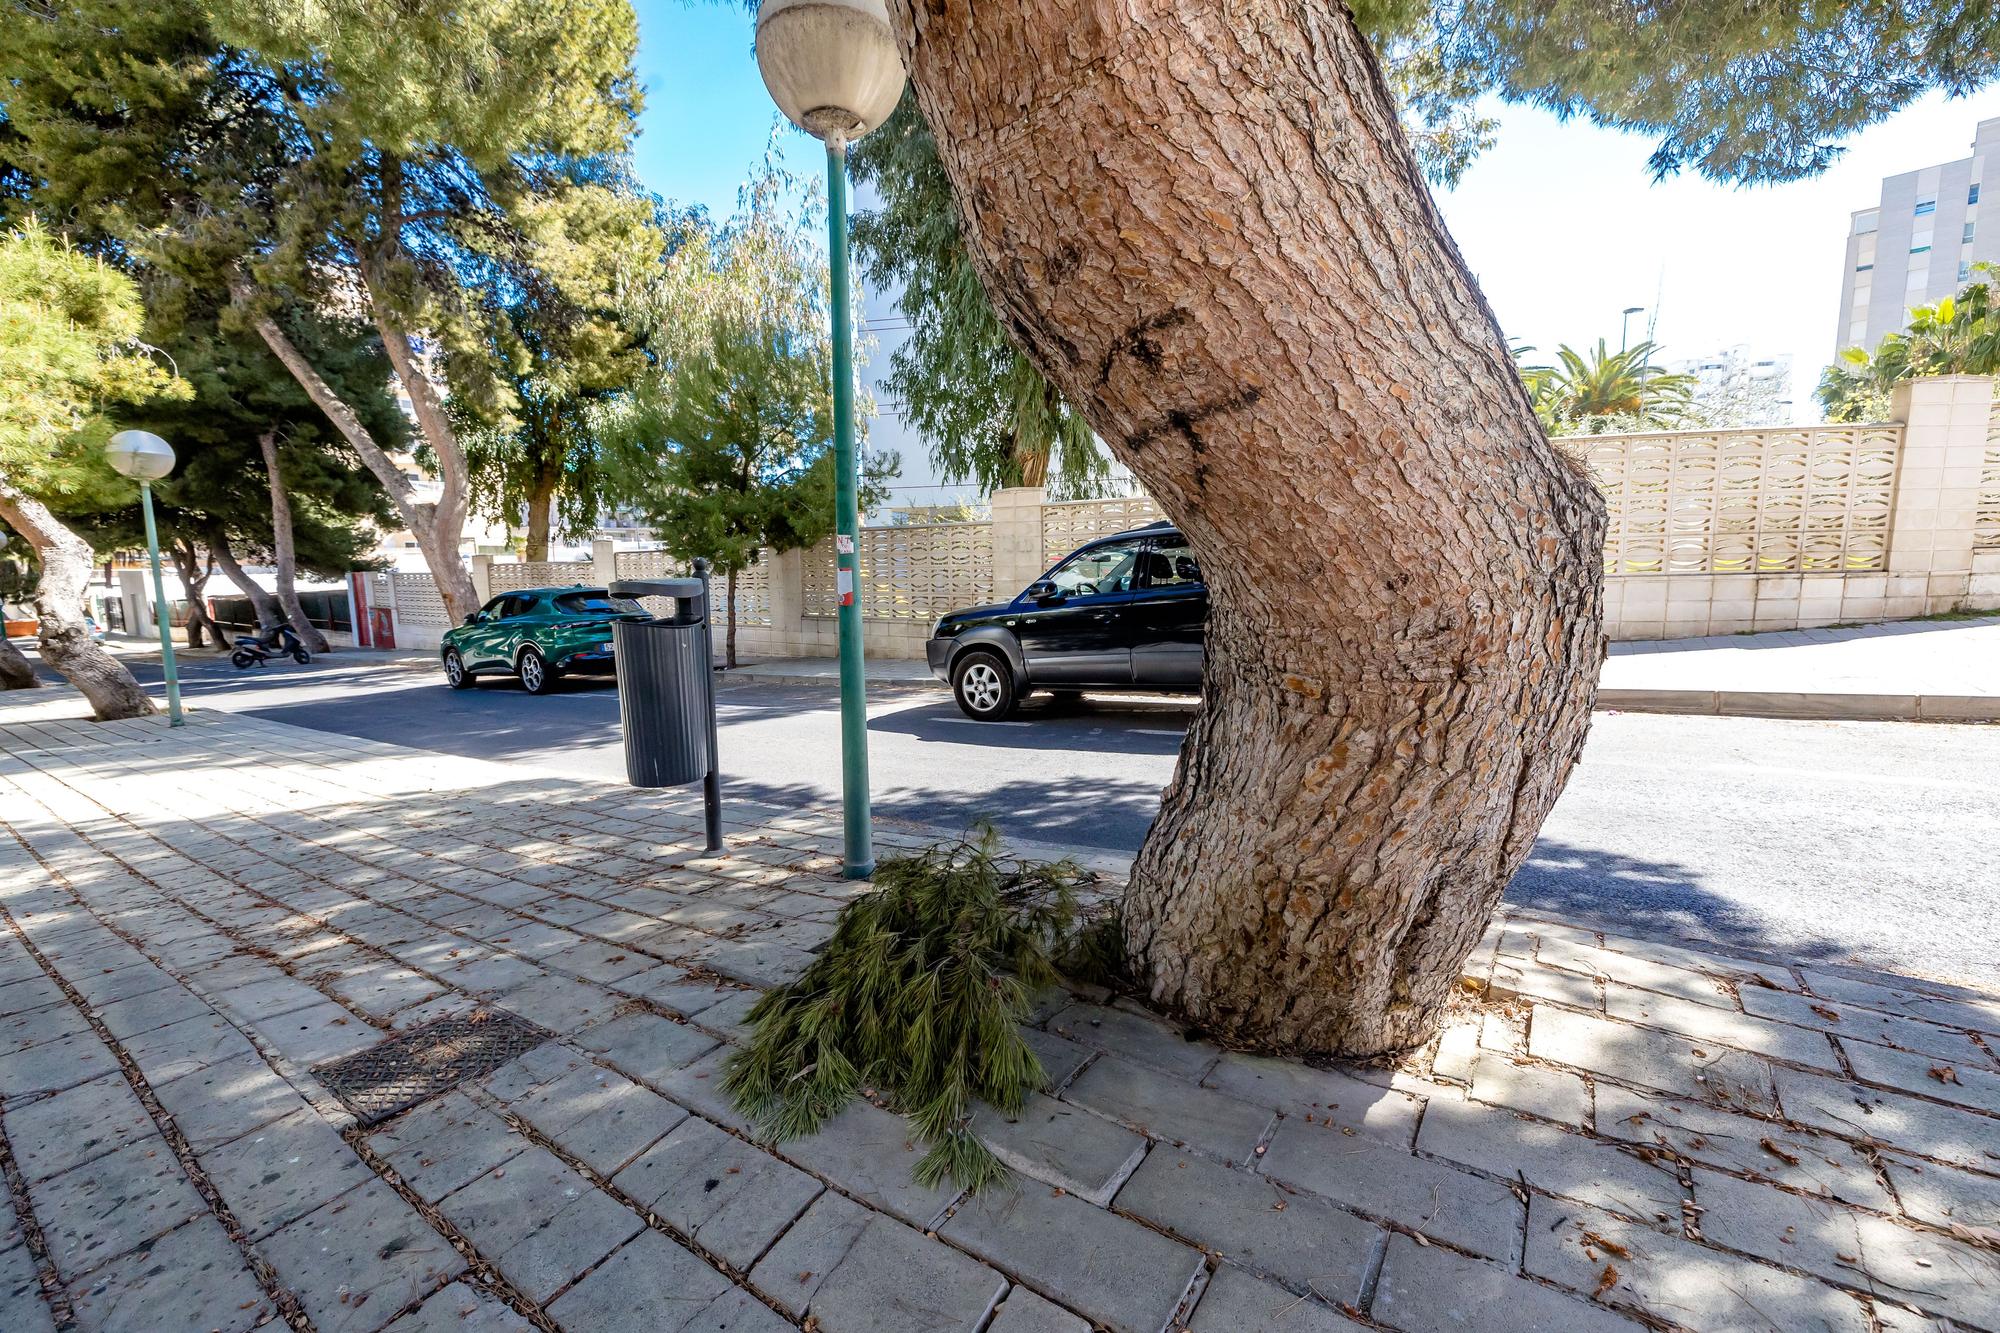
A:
(198, 927)
(1915, 669)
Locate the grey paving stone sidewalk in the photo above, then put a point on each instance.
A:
(1610, 1133)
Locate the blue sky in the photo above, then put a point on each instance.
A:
(1560, 222)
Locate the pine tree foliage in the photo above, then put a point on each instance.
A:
(918, 997)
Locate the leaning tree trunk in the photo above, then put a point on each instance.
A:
(65, 635)
(1204, 225)
(284, 557)
(268, 611)
(16, 672)
(436, 527)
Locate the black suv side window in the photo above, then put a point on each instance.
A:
(1171, 564)
(1112, 567)
(517, 605)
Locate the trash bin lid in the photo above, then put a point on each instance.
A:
(680, 588)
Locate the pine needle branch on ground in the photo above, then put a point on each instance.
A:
(918, 997)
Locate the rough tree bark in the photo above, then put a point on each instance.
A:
(66, 644)
(283, 556)
(266, 606)
(16, 672)
(437, 527)
(195, 571)
(1204, 225)
(541, 515)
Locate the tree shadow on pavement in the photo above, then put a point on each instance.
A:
(1097, 813)
(1657, 899)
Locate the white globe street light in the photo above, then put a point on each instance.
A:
(145, 457)
(833, 68)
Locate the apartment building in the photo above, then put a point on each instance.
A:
(1920, 240)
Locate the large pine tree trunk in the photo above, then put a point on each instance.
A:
(1204, 225)
(283, 556)
(66, 644)
(268, 611)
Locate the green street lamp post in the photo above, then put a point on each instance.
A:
(145, 457)
(833, 68)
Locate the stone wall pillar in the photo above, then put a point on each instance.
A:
(1018, 558)
(1947, 425)
(603, 561)
(482, 577)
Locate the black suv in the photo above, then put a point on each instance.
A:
(1125, 612)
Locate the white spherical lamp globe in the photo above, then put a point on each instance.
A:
(831, 65)
(140, 455)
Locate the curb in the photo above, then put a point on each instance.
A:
(1808, 707)
(1776, 704)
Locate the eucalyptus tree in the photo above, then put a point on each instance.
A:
(1206, 226)
(729, 452)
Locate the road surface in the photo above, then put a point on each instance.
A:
(1872, 842)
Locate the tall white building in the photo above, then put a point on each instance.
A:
(1920, 241)
(1736, 387)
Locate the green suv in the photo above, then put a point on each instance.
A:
(538, 634)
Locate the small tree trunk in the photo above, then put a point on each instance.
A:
(16, 672)
(283, 555)
(268, 611)
(729, 637)
(65, 635)
(1203, 224)
(195, 573)
(541, 512)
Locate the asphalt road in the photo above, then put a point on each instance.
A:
(1870, 842)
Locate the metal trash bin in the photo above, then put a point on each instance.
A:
(666, 690)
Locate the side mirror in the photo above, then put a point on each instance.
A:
(472, 619)
(1045, 591)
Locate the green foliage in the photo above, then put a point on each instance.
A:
(570, 364)
(69, 348)
(733, 450)
(1736, 90)
(985, 412)
(1959, 335)
(1601, 391)
(919, 997)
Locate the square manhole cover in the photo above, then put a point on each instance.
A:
(424, 1062)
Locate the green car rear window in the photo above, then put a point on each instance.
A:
(598, 604)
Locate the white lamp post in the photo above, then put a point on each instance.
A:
(145, 457)
(833, 68)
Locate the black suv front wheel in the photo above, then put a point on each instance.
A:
(983, 686)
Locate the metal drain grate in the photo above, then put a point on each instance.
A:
(435, 1058)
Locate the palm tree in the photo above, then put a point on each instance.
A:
(1601, 390)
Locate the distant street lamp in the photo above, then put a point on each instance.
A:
(1625, 325)
(833, 68)
(145, 457)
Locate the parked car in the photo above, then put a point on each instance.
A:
(1122, 613)
(537, 634)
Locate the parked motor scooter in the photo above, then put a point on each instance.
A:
(278, 641)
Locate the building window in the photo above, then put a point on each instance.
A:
(1964, 269)
(1972, 195)
(1926, 206)
(1920, 249)
(1970, 227)
(1863, 268)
